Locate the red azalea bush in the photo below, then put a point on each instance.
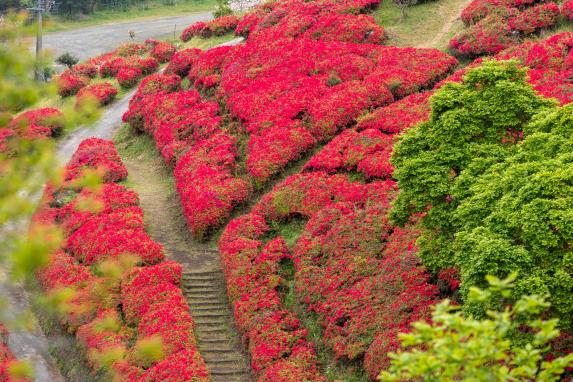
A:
(144, 301)
(535, 18)
(86, 70)
(128, 77)
(103, 93)
(197, 29)
(182, 61)
(128, 63)
(69, 83)
(163, 51)
(223, 24)
(367, 152)
(217, 27)
(479, 9)
(399, 115)
(490, 36)
(131, 49)
(100, 155)
(567, 9)
(277, 343)
(550, 62)
(111, 67)
(494, 25)
(206, 184)
(348, 28)
(44, 122)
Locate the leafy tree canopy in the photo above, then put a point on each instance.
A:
(460, 348)
(493, 169)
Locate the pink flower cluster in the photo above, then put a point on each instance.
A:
(143, 300)
(217, 27)
(494, 25)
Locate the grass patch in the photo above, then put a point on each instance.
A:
(424, 24)
(207, 43)
(136, 12)
(289, 230)
(135, 145)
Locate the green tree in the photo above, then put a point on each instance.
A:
(493, 169)
(461, 348)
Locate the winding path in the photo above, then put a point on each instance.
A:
(203, 281)
(447, 27)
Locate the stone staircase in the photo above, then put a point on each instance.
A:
(216, 335)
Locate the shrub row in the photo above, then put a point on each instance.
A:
(494, 25)
(217, 27)
(127, 64)
(138, 299)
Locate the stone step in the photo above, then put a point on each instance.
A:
(225, 364)
(210, 322)
(205, 290)
(203, 299)
(203, 283)
(231, 378)
(229, 373)
(204, 330)
(214, 274)
(217, 358)
(208, 315)
(207, 308)
(217, 349)
(212, 340)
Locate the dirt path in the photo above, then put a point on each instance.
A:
(448, 25)
(203, 280)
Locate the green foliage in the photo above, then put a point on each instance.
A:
(498, 204)
(67, 59)
(222, 8)
(26, 165)
(461, 348)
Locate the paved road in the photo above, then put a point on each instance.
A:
(92, 41)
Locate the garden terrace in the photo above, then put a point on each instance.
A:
(251, 112)
(124, 292)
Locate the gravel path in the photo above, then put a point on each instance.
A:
(30, 345)
(92, 41)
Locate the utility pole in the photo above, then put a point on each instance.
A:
(39, 10)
